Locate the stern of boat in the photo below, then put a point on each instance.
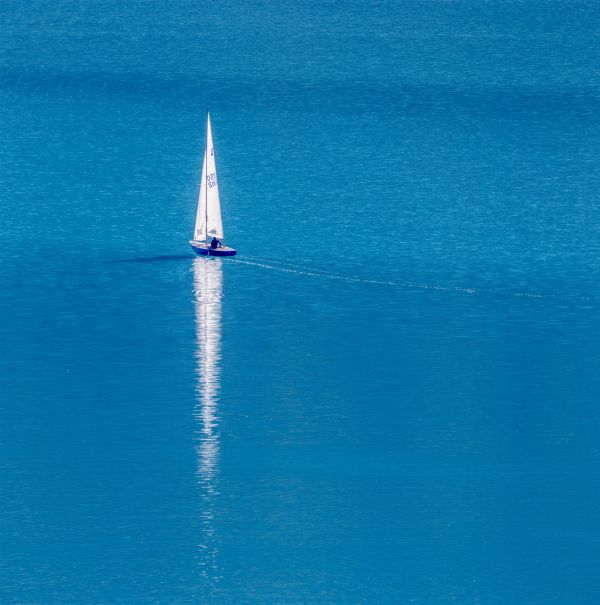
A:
(204, 249)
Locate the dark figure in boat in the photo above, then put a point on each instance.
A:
(215, 243)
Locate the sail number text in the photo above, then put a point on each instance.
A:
(211, 180)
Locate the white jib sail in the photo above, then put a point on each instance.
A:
(208, 218)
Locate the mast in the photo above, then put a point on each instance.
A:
(206, 177)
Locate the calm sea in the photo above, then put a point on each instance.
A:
(391, 395)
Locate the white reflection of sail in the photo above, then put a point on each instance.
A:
(208, 292)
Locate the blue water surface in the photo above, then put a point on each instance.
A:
(391, 394)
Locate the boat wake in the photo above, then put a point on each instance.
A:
(286, 267)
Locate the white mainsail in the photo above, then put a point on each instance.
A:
(208, 217)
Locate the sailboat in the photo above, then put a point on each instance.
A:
(208, 232)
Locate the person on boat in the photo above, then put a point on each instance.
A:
(215, 243)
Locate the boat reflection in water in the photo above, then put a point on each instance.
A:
(208, 292)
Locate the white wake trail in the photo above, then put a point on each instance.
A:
(297, 269)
